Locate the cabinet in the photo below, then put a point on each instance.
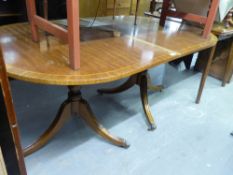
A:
(122, 7)
(12, 11)
(222, 65)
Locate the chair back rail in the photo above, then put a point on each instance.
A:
(70, 35)
(207, 20)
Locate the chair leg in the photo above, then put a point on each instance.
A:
(136, 12)
(31, 11)
(211, 17)
(165, 8)
(45, 5)
(152, 6)
(73, 33)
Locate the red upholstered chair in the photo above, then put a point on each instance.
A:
(207, 20)
(71, 35)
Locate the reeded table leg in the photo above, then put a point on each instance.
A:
(75, 104)
(139, 79)
(142, 82)
(205, 74)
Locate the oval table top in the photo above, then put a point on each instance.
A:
(132, 50)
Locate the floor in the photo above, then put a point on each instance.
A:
(190, 139)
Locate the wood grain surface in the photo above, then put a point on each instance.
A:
(129, 51)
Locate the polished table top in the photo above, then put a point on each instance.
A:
(132, 50)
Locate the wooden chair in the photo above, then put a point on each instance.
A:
(9, 132)
(153, 5)
(207, 20)
(71, 35)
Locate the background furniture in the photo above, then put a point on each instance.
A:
(103, 60)
(56, 9)
(155, 8)
(9, 132)
(222, 65)
(115, 4)
(224, 8)
(118, 7)
(12, 11)
(207, 20)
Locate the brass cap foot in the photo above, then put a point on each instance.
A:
(152, 127)
(125, 144)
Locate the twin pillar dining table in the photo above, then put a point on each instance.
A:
(129, 54)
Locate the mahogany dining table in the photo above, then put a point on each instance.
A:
(113, 50)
